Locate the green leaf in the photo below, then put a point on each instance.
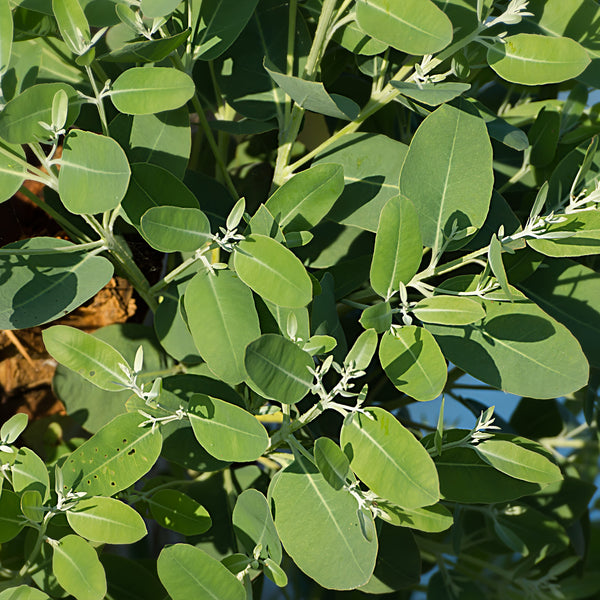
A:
(77, 568)
(362, 351)
(398, 563)
(398, 247)
(143, 91)
(106, 520)
(11, 518)
(95, 408)
(152, 186)
(158, 8)
(226, 431)
(20, 118)
(570, 293)
(93, 359)
(414, 362)
(332, 463)
(178, 512)
(449, 310)
(114, 458)
(353, 38)
(272, 271)
(275, 573)
(310, 514)
(6, 36)
(466, 478)
(128, 580)
(23, 592)
(302, 201)
(432, 519)
(518, 462)
(278, 369)
(379, 317)
(389, 459)
(141, 136)
(94, 173)
(220, 24)
(319, 344)
(223, 321)
(253, 525)
(13, 428)
(325, 319)
(413, 26)
(174, 229)
(448, 144)
(312, 95)
(12, 172)
(146, 50)
(371, 166)
(30, 473)
(189, 572)
(45, 287)
(432, 94)
(585, 238)
(497, 266)
(544, 135)
(516, 348)
(73, 25)
(532, 59)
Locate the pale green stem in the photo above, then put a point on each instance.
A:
(34, 173)
(172, 275)
(292, 127)
(99, 101)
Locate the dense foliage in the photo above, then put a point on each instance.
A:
(331, 210)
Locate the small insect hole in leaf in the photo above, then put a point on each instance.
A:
(132, 451)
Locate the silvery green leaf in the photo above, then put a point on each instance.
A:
(540, 201)
(236, 214)
(138, 362)
(60, 107)
(13, 428)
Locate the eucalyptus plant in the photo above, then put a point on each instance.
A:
(331, 211)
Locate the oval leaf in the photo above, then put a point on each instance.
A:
(11, 518)
(114, 458)
(449, 310)
(272, 271)
(51, 285)
(302, 201)
(517, 461)
(389, 459)
(94, 173)
(148, 90)
(412, 26)
(448, 144)
(174, 229)
(188, 572)
(278, 369)
(533, 59)
(253, 525)
(226, 431)
(93, 359)
(20, 118)
(77, 568)
(178, 512)
(23, 592)
(310, 514)
(414, 362)
(517, 348)
(222, 319)
(398, 247)
(333, 464)
(106, 520)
